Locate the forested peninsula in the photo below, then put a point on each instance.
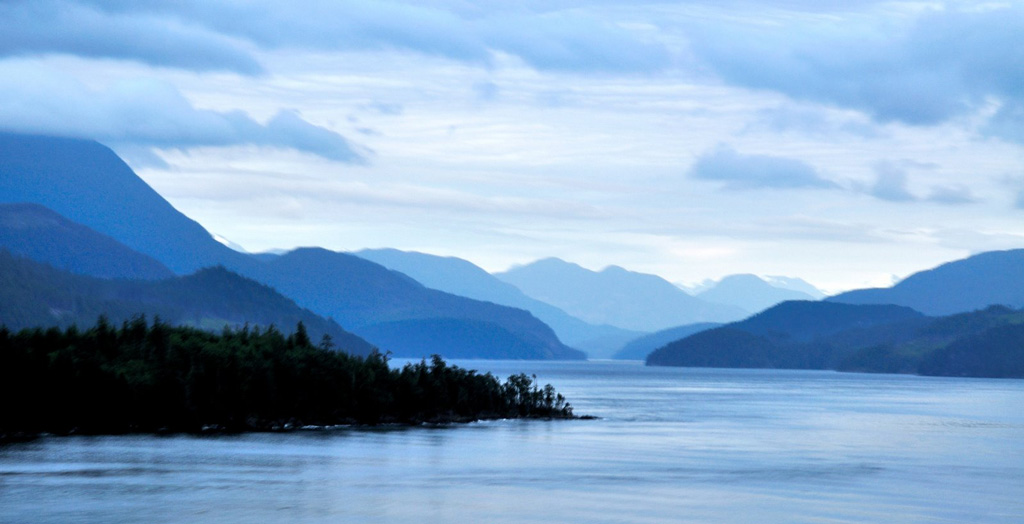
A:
(152, 377)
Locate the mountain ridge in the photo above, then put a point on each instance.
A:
(397, 298)
(63, 173)
(862, 338)
(975, 282)
(39, 295)
(461, 277)
(749, 292)
(615, 296)
(87, 183)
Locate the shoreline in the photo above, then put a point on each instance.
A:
(17, 437)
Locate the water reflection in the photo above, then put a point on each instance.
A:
(672, 446)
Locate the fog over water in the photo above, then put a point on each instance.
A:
(672, 445)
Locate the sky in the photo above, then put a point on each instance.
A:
(847, 143)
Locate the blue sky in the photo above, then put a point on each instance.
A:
(847, 143)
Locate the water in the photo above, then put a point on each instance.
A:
(673, 445)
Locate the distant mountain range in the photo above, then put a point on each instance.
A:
(88, 184)
(776, 281)
(979, 330)
(995, 277)
(374, 301)
(795, 284)
(615, 296)
(34, 294)
(750, 293)
(463, 278)
(83, 235)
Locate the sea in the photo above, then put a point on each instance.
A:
(670, 445)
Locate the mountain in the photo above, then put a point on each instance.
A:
(463, 278)
(35, 232)
(88, 184)
(639, 348)
(864, 338)
(366, 296)
(749, 292)
(615, 296)
(994, 277)
(794, 335)
(36, 294)
(795, 284)
(460, 338)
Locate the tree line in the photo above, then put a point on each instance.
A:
(153, 377)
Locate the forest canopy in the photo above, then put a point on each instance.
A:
(152, 377)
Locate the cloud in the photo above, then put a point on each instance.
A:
(816, 122)
(951, 195)
(385, 108)
(739, 171)
(202, 35)
(288, 129)
(486, 91)
(144, 114)
(891, 183)
(572, 42)
(974, 241)
(923, 69)
(1014, 185)
(140, 156)
(1008, 122)
(330, 192)
(37, 27)
(891, 180)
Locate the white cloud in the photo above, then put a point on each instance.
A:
(1008, 122)
(891, 183)
(951, 195)
(814, 121)
(738, 171)
(37, 27)
(204, 35)
(922, 68)
(147, 113)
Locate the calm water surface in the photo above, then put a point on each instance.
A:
(673, 445)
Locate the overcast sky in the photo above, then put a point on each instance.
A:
(846, 143)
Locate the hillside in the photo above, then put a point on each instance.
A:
(865, 338)
(995, 352)
(461, 277)
(35, 232)
(37, 295)
(994, 277)
(615, 296)
(794, 335)
(89, 184)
